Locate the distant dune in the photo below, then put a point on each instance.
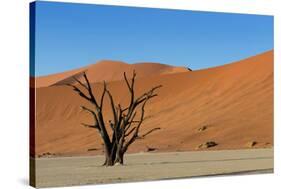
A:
(108, 70)
(231, 105)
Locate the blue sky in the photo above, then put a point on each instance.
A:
(70, 36)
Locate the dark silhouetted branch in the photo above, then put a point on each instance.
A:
(126, 122)
(149, 132)
(90, 126)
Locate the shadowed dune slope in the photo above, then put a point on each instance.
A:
(233, 102)
(108, 70)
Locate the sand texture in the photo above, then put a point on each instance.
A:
(231, 105)
(67, 171)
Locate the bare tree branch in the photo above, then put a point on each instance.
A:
(148, 94)
(149, 132)
(90, 126)
(82, 94)
(135, 135)
(92, 97)
(130, 86)
(87, 109)
(93, 113)
(82, 84)
(127, 134)
(112, 106)
(126, 122)
(102, 96)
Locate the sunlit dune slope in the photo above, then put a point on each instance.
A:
(108, 70)
(234, 102)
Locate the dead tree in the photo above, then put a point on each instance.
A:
(125, 123)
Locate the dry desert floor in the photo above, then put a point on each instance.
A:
(67, 171)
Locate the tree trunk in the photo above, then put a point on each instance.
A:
(112, 159)
(125, 123)
(109, 160)
(119, 158)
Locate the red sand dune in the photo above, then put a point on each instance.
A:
(108, 70)
(233, 101)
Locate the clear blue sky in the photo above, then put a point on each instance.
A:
(70, 36)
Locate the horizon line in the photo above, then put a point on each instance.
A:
(147, 62)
